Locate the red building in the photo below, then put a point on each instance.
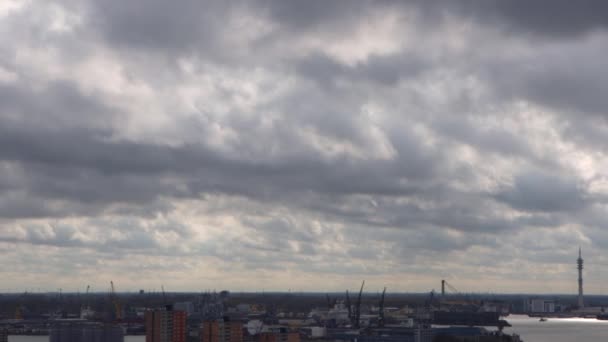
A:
(278, 337)
(165, 325)
(222, 330)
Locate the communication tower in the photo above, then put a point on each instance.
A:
(579, 263)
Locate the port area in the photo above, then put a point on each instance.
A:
(591, 312)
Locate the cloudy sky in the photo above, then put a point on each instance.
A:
(304, 145)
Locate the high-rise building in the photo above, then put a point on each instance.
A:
(3, 335)
(165, 325)
(221, 330)
(85, 332)
(579, 262)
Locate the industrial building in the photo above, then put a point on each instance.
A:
(387, 334)
(165, 325)
(85, 332)
(278, 334)
(539, 305)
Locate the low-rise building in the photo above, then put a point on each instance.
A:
(85, 332)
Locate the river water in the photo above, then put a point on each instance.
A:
(46, 339)
(558, 329)
(530, 330)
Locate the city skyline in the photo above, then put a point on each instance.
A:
(274, 145)
(449, 289)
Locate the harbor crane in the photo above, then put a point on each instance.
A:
(116, 302)
(358, 307)
(331, 302)
(381, 309)
(85, 309)
(162, 288)
(348, 306)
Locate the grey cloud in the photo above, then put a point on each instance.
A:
(546, 17)
(566, 77)
(58, 104)
(85, 169)
(188, 25)
(539, 19)
(588, 134)
(197, 26)
(305, 16)
(461, 128)
(543, 191)
(14, 206)
(382, 70)
(308, 179)
(82, 163)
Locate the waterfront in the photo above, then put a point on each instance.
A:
(46, 338)
(558, 329)
(530, 329)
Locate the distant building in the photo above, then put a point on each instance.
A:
(188, 307)
(538, 305)
(221, 330)
(277, 334)
(395, 334)
(165, 325)
(316, 332)
(245, 308)
(3, 335)
(85, 332)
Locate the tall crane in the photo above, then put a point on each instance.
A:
(85, 309)
(330, 301)
(116, 302)
(381, 309)
(358, 307)
(349, 307)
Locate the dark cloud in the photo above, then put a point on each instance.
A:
(58, 104)
(545, 17)
(490, 139)
(544, 191)
(383, 70)
(197, 26)
(299, 16)
(566, 79)
(80, 163)
(189, 25)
